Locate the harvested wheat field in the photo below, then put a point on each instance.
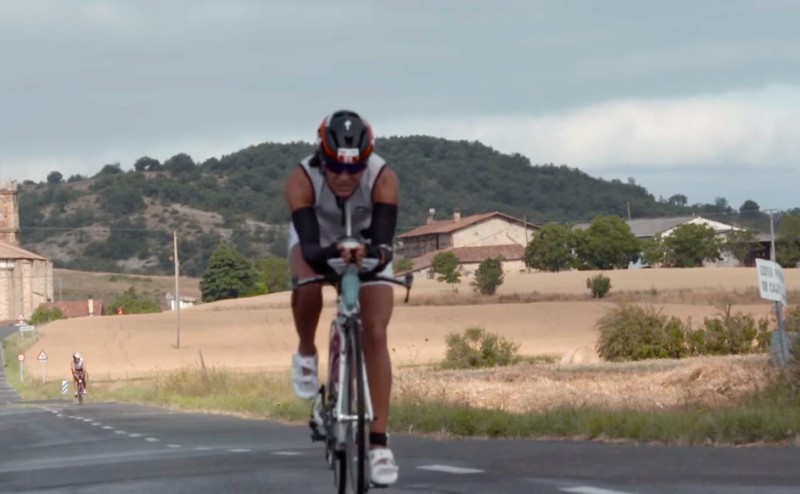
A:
(257, 334)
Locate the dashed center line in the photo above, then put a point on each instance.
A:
(107, 427)
(152, 439)
(590, 490)
(239, 450)
(134, 434)
(120, 432)
(449, 469)
(173, 446)
(287, 453)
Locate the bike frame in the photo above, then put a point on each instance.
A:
(347, 327)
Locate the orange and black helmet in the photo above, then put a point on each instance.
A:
(345, 142)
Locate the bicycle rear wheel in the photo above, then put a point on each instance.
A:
(356, 449)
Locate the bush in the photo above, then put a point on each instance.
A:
(599, 285)
(132, 302)
(477, 348)
(489, 276)
(730, 334)
(792, 319)
(630, 332)
(43, 315)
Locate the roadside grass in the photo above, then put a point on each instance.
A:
(770, 415)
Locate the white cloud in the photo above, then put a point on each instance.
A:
(754, 129)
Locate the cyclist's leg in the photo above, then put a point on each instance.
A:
(377, 304)
(306, 309)
(306, 303)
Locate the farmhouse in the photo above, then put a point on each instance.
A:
(26, 279)
(471, 238)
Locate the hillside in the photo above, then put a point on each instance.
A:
(123, 220)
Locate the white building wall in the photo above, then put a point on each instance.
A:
(495, 231)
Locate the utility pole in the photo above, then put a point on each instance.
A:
(177, 286)
(778, 308)
(525, 222)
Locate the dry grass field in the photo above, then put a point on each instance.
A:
(257, 334)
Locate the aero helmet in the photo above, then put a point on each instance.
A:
(345, 142)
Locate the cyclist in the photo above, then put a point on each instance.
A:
(78, 368)
(342, 168)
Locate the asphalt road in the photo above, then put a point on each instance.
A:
(58, 446)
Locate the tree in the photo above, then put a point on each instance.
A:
(180, 164)
(678, 200)
(54, 178)
(403, 265)
(787, 245)
(608, 243)
(743, 244)
(147, 164)
(445, 264)
(690, 244)
(749, 207)
(228, 275)
(489, 276)
(273, 274)
(550, 249)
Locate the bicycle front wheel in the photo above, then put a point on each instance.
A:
(356, 405)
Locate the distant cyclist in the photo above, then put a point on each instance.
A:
(78, 368)
(342, 168)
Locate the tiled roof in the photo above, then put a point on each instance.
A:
(509, 252)
(449, 226)
(76, 308)
(10, 252)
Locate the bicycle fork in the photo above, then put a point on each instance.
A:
(335, 416)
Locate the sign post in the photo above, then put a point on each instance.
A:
(43, 361)
(771, 287)
(21, 358)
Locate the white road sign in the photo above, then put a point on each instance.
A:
(770, 281)
(21, 357)
(42, 356)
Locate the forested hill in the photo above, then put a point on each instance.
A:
(123, 219)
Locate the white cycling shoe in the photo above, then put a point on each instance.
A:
(304, 376)
(382, 468)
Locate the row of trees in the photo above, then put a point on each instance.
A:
(609, 243)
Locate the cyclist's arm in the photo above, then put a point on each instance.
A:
(300, 197)
(385, 198)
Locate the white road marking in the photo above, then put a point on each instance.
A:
(590, 490)
(134, 434)
(173, 446)
(120, 432)
(107, 427)
(287, 453)
(449, 469)
(152, 439)
(239, 450)
(203, 448)
(96, 424)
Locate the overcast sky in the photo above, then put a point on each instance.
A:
(698, 98)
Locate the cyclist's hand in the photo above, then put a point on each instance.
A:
(353, 254)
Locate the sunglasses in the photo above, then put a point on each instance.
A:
(337, 167)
